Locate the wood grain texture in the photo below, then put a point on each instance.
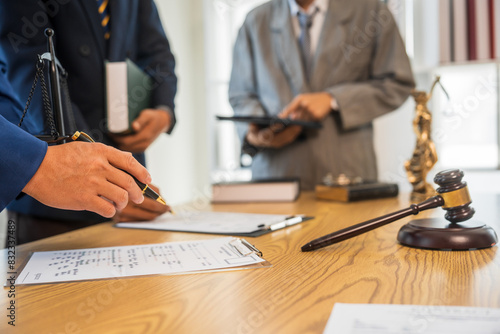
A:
(295, 295)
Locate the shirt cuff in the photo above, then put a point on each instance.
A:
(170, 113)
(334, 104)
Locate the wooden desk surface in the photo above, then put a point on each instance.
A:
(295, 295)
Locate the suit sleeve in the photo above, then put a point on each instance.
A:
(20, 153)
(390, 80)
(243, 95)
(156, 56)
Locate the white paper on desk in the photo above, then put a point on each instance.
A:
(124, 261)
(412, 319)
(208, 222)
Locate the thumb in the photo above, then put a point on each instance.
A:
(140, 121)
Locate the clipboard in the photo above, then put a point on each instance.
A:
(221, 223)
(170, 258)
(270, 121)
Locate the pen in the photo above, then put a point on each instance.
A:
(146, 190)
(287, 222)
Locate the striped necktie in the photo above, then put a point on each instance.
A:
(102, 6)
(305, 22)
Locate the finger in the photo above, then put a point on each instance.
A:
(126, 182)
(128, 139)
(101, 206)
(141, 121)
(277, 127)
(117, 195)
(155, 188)
(153, 206)
(286, 137)
(266, 136)
(291, 107)
(138, 147)
(127, 162)
(253, 127)
(253, 134)
(136, 213)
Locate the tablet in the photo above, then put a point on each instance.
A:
(270, 120)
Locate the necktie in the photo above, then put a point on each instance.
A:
(102, 7)
(305, 22)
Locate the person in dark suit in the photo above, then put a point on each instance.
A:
(51, 174)
(340, 62)
(83, 43)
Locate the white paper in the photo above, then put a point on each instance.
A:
(123, 261)
(412, 319)
(209, 222)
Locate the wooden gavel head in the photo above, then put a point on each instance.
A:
(455, 195)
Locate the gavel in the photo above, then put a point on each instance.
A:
(452, 195)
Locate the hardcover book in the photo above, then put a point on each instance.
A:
(267, 190)
(356, 192)
(128, 92)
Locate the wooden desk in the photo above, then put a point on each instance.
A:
(295, 295)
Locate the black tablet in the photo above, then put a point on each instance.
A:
(270, 120)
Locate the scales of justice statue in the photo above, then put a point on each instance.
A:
(424, 155)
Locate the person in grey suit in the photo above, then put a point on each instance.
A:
(344, 65)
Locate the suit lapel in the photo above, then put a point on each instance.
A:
(90, 10)
(332, 36)
(286, 46)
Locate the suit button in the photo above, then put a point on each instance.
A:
(85, 50)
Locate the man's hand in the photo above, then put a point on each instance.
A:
(147, 210)
(275, 136)
(147, 127)
(87, 176)
(310, 106)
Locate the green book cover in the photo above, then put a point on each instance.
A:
(128, 92)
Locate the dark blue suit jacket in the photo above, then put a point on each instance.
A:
(136, 33)
(20, 153)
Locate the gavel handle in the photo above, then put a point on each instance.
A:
(372, 224)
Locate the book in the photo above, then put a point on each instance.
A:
(264, 190)
(483, 51)
(225, 223)
(445, 31)
(356, 192)
(460, 36)
(471, 29)
(495, 28)
(128, 92)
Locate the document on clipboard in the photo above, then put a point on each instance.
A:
(139, 260)
(226, 223)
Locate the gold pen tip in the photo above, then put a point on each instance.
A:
(161, 200)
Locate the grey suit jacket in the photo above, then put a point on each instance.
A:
(360, 60)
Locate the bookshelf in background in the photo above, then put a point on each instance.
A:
(459, 40)
(469, 30)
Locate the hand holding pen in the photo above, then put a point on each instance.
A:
(153, 205)
(80, 176)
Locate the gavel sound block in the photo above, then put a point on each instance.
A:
(454, 197)
(436, 233)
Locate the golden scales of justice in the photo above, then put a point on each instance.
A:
(424, 155)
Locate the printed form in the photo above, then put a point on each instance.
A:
(209, 222)
(138, 260)
(412, 319)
